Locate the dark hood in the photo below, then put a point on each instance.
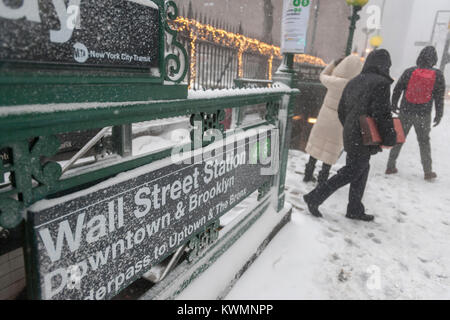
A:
(427, 58)
(379, 62)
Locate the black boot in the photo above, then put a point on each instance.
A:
(313, 208)
(360, 216)
(324, 173)
(430, 176)
(309, 170)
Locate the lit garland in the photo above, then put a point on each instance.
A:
(270, 67)
(200, 31)
(193, 60)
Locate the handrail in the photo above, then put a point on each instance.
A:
(85, 149)
(29, 131)
(17, 123)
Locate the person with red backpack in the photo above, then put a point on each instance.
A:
(420, 85)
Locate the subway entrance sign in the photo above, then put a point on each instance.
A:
(94, 243)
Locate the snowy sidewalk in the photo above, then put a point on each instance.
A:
(404, 254)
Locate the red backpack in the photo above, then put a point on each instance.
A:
(420, 86)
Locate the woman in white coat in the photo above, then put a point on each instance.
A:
(325, 142)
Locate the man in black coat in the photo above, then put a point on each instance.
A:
(367, 94)
(420, 85)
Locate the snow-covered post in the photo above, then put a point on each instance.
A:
(284, 75)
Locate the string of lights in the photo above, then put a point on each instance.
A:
(206, 32)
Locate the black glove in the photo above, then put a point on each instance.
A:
(437, 120)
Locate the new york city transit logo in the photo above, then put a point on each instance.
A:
(81, 53)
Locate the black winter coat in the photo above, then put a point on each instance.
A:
(368, 94)
(426, 60)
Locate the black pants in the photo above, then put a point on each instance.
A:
(355, 172)
(309, 170)
(422, 125)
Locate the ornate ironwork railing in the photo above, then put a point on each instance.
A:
(220, 53)
(29, 138)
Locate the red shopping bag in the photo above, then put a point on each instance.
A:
(401, 138)
(369, 131)
(371, 136)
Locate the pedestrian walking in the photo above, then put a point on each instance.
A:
(368, 94)
(420, 86)
(325, 140)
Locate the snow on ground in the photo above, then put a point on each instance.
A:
(404, 254)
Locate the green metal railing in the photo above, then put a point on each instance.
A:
(30, 136)
(37, 108)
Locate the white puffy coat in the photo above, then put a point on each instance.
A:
(325, 142)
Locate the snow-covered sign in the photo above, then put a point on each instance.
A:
(94, 243)
(106, 33)
(294, 25)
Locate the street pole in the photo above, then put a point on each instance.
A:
(287, 66)
(446, 55)
(313, 37)
(353, 19)
(367, 32)
(436, 16)
(286, 75)
(381, 18)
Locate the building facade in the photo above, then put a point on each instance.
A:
(406, 26)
